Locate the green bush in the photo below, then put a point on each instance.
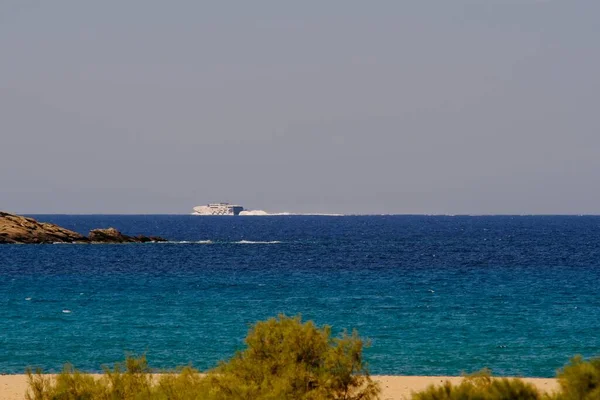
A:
(284, 359)
(184, 384)
(580, 380)
(288, 359)
(130, 380)
(68, 385)
(481, 386)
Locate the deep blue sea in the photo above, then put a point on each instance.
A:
(436, 295)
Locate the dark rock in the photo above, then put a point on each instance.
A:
(111, 235)
(15, 229)
(145, 239)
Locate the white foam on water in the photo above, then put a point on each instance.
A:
(254, 213)
(263, 213)
(27, 298)
(212, 242)
(257, 242)
(189, 242)
(65, 311)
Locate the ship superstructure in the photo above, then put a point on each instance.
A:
(218, 209)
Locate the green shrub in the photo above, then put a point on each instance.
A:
(185, 384)
(481, 386)
(68, 385)
(284, 359)
(580, 380)
(131, 380)
(288, 359)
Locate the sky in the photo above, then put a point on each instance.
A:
(402, 107)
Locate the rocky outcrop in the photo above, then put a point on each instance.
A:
(111, 235)
(15, 229)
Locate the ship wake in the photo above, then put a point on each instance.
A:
(263, 213)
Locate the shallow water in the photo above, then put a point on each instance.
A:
(436, 295)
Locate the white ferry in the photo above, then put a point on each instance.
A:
(218, 209)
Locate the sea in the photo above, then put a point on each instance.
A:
(433, 295)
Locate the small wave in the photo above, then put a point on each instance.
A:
(65, 311)
(223, 242)
(189, 242)
(257, 242)
(27, 298)
(311, 214)
(263, 213)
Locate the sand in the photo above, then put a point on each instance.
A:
(13, 387)
(400, 387)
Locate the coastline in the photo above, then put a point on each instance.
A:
(393, 387)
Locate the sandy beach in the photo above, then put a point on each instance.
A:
(401, 387)
(13, 387)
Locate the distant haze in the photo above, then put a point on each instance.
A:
(449, 106)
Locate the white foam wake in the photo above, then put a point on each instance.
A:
(257, 213)
(257, 242)
(219, 242)
(189, 242)
(263, 213)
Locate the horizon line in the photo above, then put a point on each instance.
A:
(319, 214)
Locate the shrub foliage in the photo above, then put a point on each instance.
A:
(481, 386)
(284, 358)
(288, 359)
(580, 380)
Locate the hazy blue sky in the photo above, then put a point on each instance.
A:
(449, 106)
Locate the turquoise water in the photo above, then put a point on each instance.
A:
(436, 295)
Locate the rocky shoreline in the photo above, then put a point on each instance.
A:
(16, 229)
